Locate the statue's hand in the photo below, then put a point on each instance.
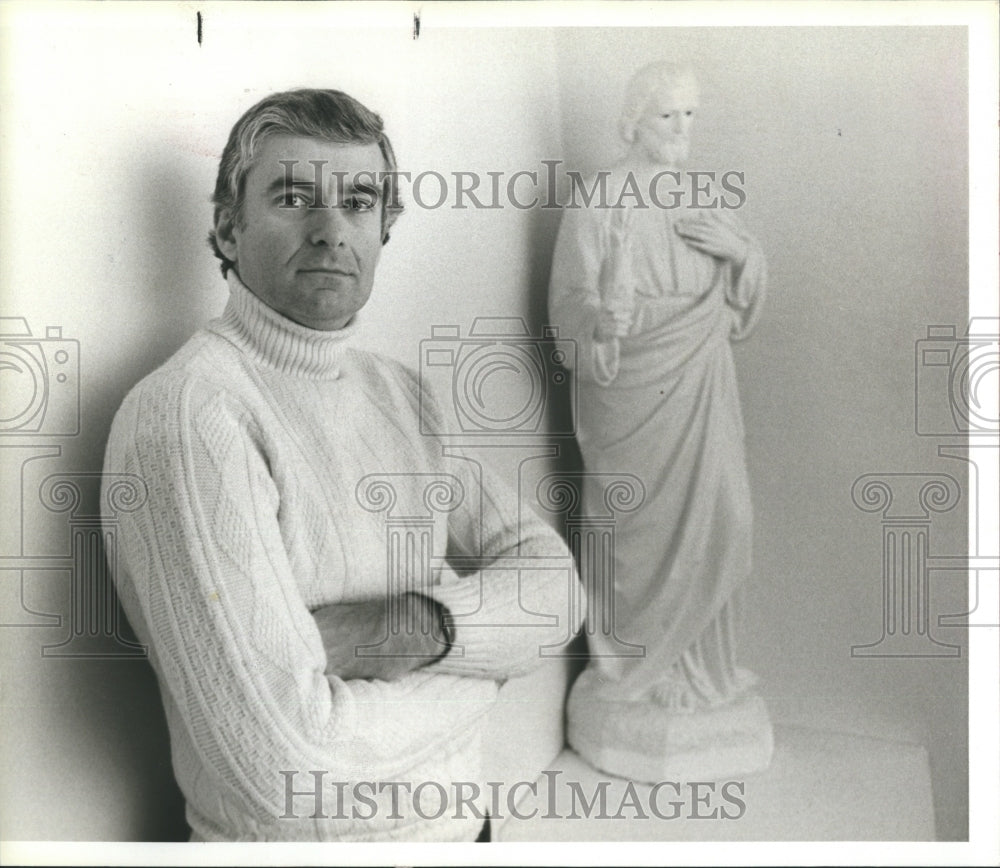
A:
(617, 287)
(714, 238)
(611, 324)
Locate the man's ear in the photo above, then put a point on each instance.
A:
(224, 233)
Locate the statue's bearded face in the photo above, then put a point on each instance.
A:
(663, 129)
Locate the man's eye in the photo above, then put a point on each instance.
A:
(361, 203)
(689, 113)
(293, 200)
(667, 115)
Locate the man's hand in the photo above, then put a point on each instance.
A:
(714, 238)
(402, 635)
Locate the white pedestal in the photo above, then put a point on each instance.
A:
(646, 742)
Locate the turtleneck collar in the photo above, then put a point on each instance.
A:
(278, 342)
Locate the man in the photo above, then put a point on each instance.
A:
(256, 571)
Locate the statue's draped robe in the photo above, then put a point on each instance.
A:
(662, 404)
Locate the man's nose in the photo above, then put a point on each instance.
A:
(326, 225)
(680, 123)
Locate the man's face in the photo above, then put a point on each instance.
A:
(663, 130)
(310, 257)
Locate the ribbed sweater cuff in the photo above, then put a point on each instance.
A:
(492, 634)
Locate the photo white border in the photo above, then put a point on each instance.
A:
(981, 17)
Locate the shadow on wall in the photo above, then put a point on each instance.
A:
(543, 230)
(78, 689)
(185, 288)
(118, 702)
(179, 287)
(120, 716)
(176, 302)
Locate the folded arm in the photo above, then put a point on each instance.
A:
(510, 587)
(346, 628)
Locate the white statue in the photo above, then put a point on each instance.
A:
(653, 294)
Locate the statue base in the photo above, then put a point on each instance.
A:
(646, 742)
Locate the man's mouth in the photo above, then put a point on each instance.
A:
(340, 272)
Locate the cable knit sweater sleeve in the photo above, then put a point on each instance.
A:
(207, 584)
(506, 618)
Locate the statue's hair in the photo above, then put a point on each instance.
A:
(644, 84)
(330, 115)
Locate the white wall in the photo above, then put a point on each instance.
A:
(113, 123)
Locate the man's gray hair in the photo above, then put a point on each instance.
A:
(330, 115)
(645, 83)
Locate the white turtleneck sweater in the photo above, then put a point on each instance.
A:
(268, 451)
